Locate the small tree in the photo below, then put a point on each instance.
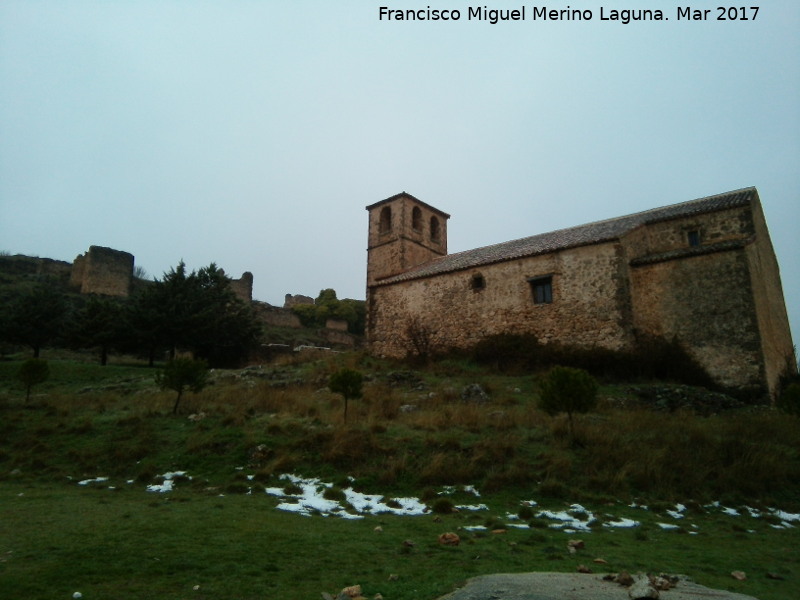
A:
(180, 374)
(346, 382)
(569, 390)
(31, 372)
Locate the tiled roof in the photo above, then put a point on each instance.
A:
(582, 235)
(407, 195)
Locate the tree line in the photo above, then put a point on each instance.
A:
(195, 312)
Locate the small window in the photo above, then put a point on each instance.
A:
(416, 219)
(542, 289)
(386, 220)
(435, 233)
(694, 238)
(477, 283)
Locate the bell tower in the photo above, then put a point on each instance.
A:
(403, 232)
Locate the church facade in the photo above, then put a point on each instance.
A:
(703, 272)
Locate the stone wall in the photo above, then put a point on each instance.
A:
(291, 300)
(34, 267)
(706, 302)
(336, 324)
(103, 271)
(776, 339)
(243, 287)
(275, 316)
(586, 310)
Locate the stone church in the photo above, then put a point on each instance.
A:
(702, 271)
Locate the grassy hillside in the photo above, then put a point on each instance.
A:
(66, 528)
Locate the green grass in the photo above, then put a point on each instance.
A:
(127, 543)
(57, 537)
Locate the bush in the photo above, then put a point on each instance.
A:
(569, 390)
(443, 506)
(789, 400)
(652, 357)
(508, 352)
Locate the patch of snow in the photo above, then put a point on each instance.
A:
(472, 507)
(678, 512)
(470, 489)
(622, 523)
(732, 512)
(168, 484)
(567, 519)
(95, 480)
(668, 526)
(311, 500)
(784, 516)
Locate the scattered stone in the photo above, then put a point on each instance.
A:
(474, 393)
(664, 582)
(196, 417)
(583, 569)
(739, 575)
(353, 591)
(378, 529)
(499, 531)
(775, 576)
(405, 378)
(600, 561)
(624, 578)
(449, 539)
(574, 545)
(642, 589)
(672, 397)
(259, 456)
(408, 543)
(394, 577)
(407, 408)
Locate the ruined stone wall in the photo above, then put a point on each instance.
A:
(587, 307)
(275, 316)
(336, 324)
(103, 271)
(243, 287)
(340, 338)
(291, 300)
(31, 266)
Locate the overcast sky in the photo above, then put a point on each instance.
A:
(253, 134)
